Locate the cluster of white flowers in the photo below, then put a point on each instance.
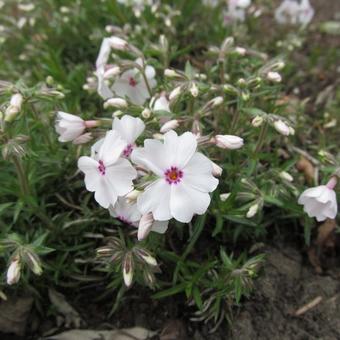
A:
(294, 12)
(144, 186)
(289, 12)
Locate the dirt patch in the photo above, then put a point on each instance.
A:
(285, 286)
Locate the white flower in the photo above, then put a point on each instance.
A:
(282, 127)
(160, 104)
(129, 128)
(236, 11)
(170, 125)
(294, 12)
(228, 142)
(131, 84)
(69, 126)
(184, 178)
(127, 212)
(320, 202)
(107, 174)
(13, 272)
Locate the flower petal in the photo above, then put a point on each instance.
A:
(186, 201)
(155, 199)
(130, 128)
(112, 148)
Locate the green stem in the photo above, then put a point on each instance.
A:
(21, 176)
(147, 82)
(261, 139)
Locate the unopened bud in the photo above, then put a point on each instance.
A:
(112, 72)
(13, 272)
(216, 170)
(14, 107)
(145, 225)
(146, 113)
(225, 196)
(282, 127)
(252, 210)
(230, 89)
(257, 121)
(170, 73)
(241, 51)
(132, 196)
(128, 269)
(228, 142)
(170, 125)
(119, 103)
(145, 256)
(194, 90)
(118, 43)
(175, 93)
(286, 176)
(274, 77)
(33, 263)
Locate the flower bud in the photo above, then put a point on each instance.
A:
(14, 107)
(13, 272)
(228, 142)
(145, 225)
(230, 89)
(286, 176)
(112, 72)
(170, 73)
(282, 127)
(274, 77)
(252, 210)
(119, 44)
(225, 196)
(217, 170)
(194, 90)
(257, 121)
(132, 196)
(175, 93)
(170, 125)
(146, 113)
(128, 269)
(119, 103)
(33, 263)
(145, 256)
(241, 51)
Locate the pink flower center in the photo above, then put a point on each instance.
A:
(173, 175)
(127, 151)
(132, 82)
(101, 168)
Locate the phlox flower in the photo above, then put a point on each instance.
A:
(106, 173)
(320, 202)
(129, 129)
(183, 181)
(132, 85)
(236, 11)
(294, 12)
(128, 213)
(69, 126)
